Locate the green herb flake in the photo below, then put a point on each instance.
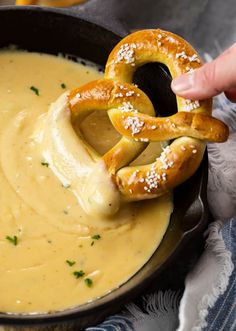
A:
(45, 164)
(92, 243)
(79, 273)
(70, 263)
(63, 85)
(88, 282)
(65, 212)
(96, 237)
(13, 240)
(35, 90)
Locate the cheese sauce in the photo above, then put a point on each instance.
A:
(60, 257)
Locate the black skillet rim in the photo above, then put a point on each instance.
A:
(69, 315)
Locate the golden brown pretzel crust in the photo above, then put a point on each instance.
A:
(181, 159)
(176, 164)
(103, 95)
(195, 125)
(155, 45)
(26, 2)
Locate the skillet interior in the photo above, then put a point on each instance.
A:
(54, 31)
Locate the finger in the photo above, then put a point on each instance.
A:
(231, 95)
(209, 80)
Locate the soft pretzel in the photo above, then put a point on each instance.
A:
(132, 114)
(181, 159)
(51, 3)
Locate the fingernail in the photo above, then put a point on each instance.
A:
(183, 83)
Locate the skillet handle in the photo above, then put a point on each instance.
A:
(104, 13)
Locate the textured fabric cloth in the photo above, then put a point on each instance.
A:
(209, 299)
(207, 283)
(223, 314)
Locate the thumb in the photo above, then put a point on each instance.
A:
(209, 80)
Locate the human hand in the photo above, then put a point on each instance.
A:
(211, 79)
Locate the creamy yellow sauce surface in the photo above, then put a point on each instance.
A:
(43, 212)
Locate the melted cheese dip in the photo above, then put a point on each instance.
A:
(53, 236)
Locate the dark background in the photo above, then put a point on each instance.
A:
(210, 25)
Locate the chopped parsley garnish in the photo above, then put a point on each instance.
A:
(45, 164)
(96, 237)
(35, 90)
(13, 240)
(79, 273)
(88, 282)
(65, 212)
(63, 85)
(70, 263)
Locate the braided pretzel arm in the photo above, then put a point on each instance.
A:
(103, 95)
(195, 125)
(181, 159)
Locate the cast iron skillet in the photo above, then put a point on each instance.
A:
(68, 31)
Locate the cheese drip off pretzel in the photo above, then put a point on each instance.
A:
(89, 175)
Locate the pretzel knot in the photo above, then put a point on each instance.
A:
(133, 116)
